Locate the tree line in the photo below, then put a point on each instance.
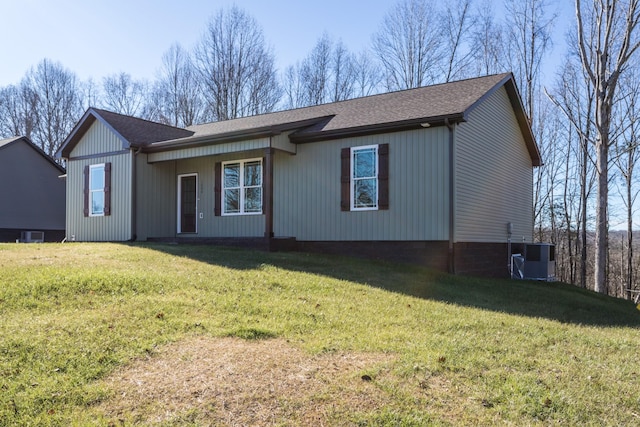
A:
(584, 116)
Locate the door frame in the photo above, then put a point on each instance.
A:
(179, 203)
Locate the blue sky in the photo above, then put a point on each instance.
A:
(98, 38)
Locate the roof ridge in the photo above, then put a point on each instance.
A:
(358, 99)
(102, 110)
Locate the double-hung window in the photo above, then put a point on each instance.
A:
(97, 189)
(364, 178)
(242, 187)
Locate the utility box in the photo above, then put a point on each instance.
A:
(537, 262)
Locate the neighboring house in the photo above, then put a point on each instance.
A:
(439, 175)
(32, 192)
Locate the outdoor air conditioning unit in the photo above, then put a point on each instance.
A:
(537, 262)
(32, 236)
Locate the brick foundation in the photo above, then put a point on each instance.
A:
(473, 259)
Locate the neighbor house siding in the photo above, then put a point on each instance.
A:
(307, 190)
(494, 175)
(117, 225)
(32, 196)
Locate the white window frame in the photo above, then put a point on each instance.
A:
(242, 187)
(353, 180)
(92, 169)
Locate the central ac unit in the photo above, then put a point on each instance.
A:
(32, 236)
(538, 262)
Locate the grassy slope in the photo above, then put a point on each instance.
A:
(470, 351)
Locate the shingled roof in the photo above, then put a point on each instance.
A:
(133, 132)
(436, 102)
(408, 109)
(5, 143)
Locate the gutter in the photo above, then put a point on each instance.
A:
(240, 135)
(303, 136)
(451, 254)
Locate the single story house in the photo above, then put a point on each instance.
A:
(440, 175)
(32, 193)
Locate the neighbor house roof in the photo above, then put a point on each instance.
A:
(5, 143)
(408, 109)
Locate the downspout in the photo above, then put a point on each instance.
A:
(134, 195)
(451, 255)
(268, 196)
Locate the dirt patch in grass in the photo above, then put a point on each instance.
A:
(230, 381)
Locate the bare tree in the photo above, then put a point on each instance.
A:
(488, 42)
(292, 86)
(58, 103)
(409, 45)
(122, 94)
(343, 73)
(178, 92)
(236, 68)
(327, 74)
(575, 98)
(607, 40)
(367, 76)
(627, 155)
(17, 111)
(457, 25)
(315, 72)
(529, 38)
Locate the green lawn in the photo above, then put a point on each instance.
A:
(502, 352)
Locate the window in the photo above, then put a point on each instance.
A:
(365, 178)
(97, 190)
(242, 187)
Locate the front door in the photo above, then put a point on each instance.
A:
(187, 203)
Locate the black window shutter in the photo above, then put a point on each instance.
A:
(86, 190)
(345, 179)
(383, 176)
(217, 207)
(107, 189)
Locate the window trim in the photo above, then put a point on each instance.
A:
(376, 176)
(241, 187)
(101, 190)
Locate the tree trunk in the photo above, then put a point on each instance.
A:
(602, 165)
(629, 238)
(583, 219)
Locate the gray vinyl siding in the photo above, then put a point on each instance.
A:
(158, 205)
(156, 199)
(281, 142)
(98, 139)
(209, 150)
(307, 190)
(32, 196)
(494, 175)
(115, 227)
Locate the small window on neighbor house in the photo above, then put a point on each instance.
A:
(96, 190)
(242, 187)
